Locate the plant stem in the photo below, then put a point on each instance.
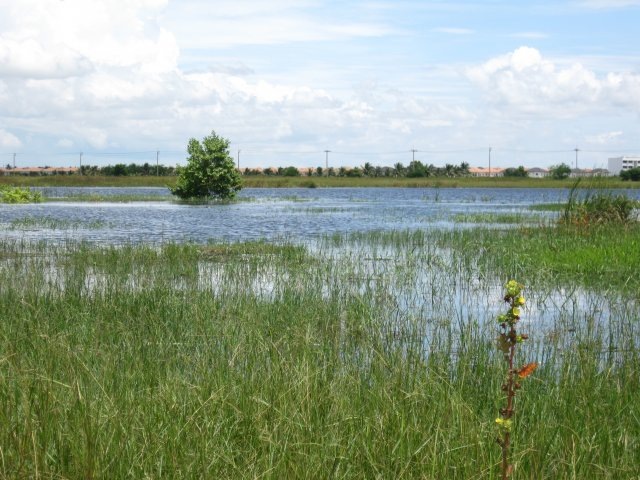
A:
(510, 389)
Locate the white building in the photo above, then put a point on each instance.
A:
(537, 172)
(626, 162)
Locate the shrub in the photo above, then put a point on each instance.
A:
(210, 171)
(600, 207)
(632, 174)
(10, 194)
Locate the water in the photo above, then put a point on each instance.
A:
(423, 288)
(292, 214)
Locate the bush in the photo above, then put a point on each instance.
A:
(210, 171)
(560, 172)
(599, 208)
(19, 195)
(290, 172)
(632, 174)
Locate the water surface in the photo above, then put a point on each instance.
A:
(292, 214)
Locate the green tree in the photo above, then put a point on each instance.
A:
(416, 170)
(632, 174)
(368, 170)
(560, 172)
(210, 171)
(516, 172)
(290, 172)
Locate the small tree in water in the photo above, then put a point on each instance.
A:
(210, 171)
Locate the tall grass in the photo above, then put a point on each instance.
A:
(371, 359)
(598, 207)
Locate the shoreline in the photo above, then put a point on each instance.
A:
(323, 182)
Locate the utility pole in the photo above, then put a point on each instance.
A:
(239, 159)
(80, 163)
(14, 160)
(413, 154)
(576, 150)
(326, 161)
(157, 163)
(489, 162)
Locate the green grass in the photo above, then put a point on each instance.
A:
(86, 181)
(311, 182)
(548, 207)
(470, 182)
(367, 356)
(497, 218)
(598, 256)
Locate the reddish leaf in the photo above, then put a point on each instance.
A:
(527, 370)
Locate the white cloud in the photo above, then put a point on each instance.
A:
(29, 58)
(526, 81)
(57, 39)
(8, 139)
(64, 143)
(253, 22)
(604, 138)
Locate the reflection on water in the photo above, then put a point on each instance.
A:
(294, 214)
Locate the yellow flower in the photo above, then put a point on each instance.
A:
(520, 301)
(503, 424)
(515, 311)
(513, 288)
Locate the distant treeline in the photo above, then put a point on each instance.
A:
(130, 170)
(415, 169)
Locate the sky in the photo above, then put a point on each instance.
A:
(132, 80)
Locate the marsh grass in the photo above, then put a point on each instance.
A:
(358, 357)
(600, 256)
(498, 218)
(547, 207)
(37, 223)
(310, 182)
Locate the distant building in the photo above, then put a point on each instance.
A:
(537, 172)
(486, 172)
(588, 172)
(580, 173)
(626, 162)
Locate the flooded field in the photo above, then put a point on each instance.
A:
(298, 331)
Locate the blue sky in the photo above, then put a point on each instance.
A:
(284, 81)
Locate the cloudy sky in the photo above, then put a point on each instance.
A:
(369, 80)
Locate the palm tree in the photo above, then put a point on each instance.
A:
(449, 170)
(398, 169)
(368, 170)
